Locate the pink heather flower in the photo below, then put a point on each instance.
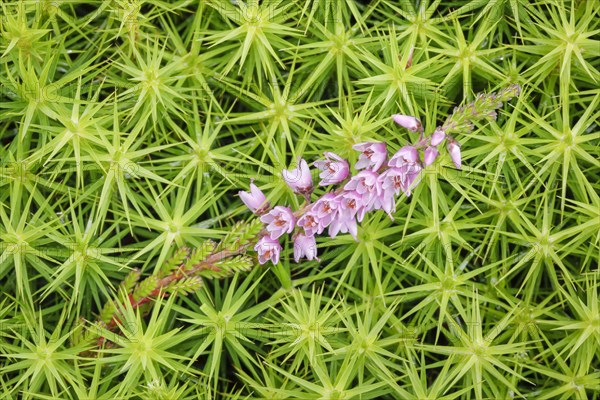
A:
(431, 154)
(373, 155)
(396, 179)
(311, 224)
(305, 246)
(326, 208)
(454, 149)
(408, 122)
(255, 200)
(365, 183)
(385, 201)
(438, 136)
(354, 204)
(299, 179)
(334, 171)
(392, 181)
(350, 204)
(406, 155)
(280, 220)
(343, 224)
(268, 249)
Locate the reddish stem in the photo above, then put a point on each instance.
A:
(180, 273)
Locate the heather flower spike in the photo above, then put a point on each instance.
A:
(334, 169)
(268, 249)
(408, 122)
(373, 155)
(299, 179)
(375, 186)
(255, 200)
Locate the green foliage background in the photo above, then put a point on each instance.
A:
(127, 127)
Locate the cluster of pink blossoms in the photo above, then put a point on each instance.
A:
(374, 187)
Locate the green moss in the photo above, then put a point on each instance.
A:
(127, 128)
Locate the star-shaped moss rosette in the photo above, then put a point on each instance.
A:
(375, 185)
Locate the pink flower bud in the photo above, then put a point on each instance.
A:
(255, 200)
(431, 154)
(299, 179)
(280, 220)
(334, 171)
(408, 122)
(454, 150)
(305, 246)
(373, 155)
(438, 136)
(268, 249)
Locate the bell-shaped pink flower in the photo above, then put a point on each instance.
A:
(454, 150)
(373, 155)
(255, 200)
(305, 246)
(350, 204)
(268, 249)
(438, 136)
(311, 224)
(392, 181)
(334, 169)
(299, 179)
(396, 179)
(408, 122)
(365, 182)
(344, 224)
(326, 208)
(431, 154)
(409, 164)
(383, 201)
(353, 204)
(406, 155)
(280, 220)
(386, 202)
